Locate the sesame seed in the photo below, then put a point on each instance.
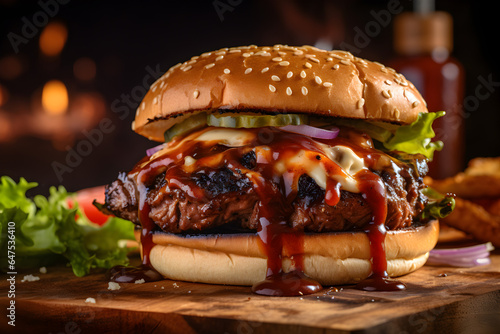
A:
(262, 53)
(264, 70)
(360, 103)
(153, 89)
(248, 70)
(246, 54)
(289, 74)
(303, 74)
(266, 48)
(288, 91)
(388, 82)
(282, 53)
(345, 62)
(195, 57)
(143, 105)
(210, 65)
(329, 59)
(387, 93)
(272, 88)
(383, 69)
(314, 60)
(187, 68)
(220, 53)
(227, 70)
(318, 80)
(284, 63)
(336, 67)
(192, 61)
(298, 53)
(234, 50)
(206, 54)
(275, 78)
(415, 104)
(155, 100)
(162, 84)
(196, 93)
(277, 59)
(304, 90)
(334, 55)
(327, 84)
(219, 58)
(396, 112)
(308, 65)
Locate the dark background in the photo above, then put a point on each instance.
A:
(124, 38)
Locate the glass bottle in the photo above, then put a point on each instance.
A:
(423, 41)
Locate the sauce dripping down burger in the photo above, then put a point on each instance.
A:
(283, 168)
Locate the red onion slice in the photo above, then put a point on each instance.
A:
(155, 149)
(312, 131)
(462, 257)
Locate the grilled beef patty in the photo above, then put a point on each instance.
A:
(229, 198)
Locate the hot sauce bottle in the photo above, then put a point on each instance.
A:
(423, 41)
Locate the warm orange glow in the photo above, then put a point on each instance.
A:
(53, 38)
(3, 95)
(10, 67)
(84, 69)
(55, 97)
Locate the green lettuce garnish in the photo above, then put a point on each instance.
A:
(439, 205)
(47, 231)
(414, 138)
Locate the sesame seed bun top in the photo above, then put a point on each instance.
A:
(281, 79)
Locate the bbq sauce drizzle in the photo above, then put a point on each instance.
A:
(275, 199)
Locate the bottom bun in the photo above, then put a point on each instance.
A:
(329, 258)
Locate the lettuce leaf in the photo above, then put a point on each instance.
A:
(414, 138)
(439, 205)
(47, 231)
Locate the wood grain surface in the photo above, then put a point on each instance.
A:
(438, 299)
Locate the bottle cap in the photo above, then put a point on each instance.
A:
(417, 33)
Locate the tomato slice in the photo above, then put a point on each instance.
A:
(85, 197)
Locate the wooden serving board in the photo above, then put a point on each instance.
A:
(437, 299)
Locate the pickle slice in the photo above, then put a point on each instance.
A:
(255, 121)
(192, 123)
(233, 121)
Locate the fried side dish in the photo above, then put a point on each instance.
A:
(477, 210)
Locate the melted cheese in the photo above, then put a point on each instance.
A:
(304, 161)
(343, 156)
(227, 137)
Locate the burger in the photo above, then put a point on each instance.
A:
(284, 168)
